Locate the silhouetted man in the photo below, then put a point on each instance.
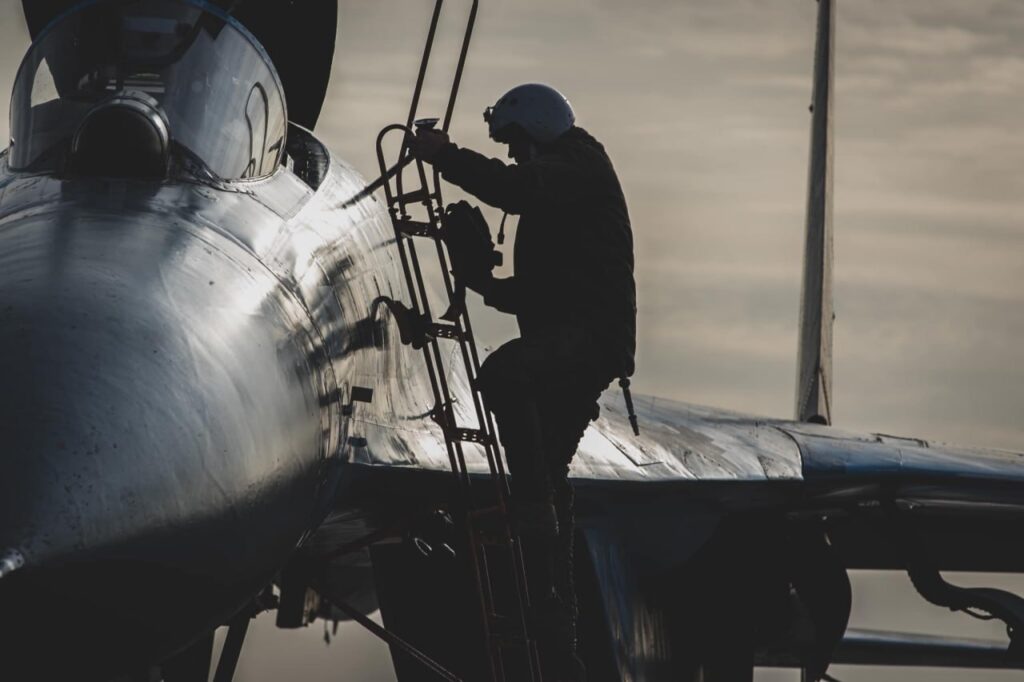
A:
(574, 297)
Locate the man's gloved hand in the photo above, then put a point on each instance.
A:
(465, 233)
(468, 238)
(427, 143)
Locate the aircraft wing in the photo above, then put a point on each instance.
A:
(680, 440)
(880, 648)
(706, 500)
(874, 647)
(959, 501)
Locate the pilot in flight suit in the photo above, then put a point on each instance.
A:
(574, 297)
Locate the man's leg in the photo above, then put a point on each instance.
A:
(536, 521)
(507, 384)
(565, 420)
(543, 403)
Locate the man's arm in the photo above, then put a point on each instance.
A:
(500, 294)
(547, 179)
(512, 188)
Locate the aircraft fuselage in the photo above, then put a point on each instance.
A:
(174, 355)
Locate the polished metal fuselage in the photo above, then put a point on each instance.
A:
(175, 358)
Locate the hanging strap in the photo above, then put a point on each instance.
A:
(501, 230)
(624, 385)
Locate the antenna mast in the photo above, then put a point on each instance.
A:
(814, 359)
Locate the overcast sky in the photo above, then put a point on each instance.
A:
(703, 108)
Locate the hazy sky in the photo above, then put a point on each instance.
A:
(703, 107)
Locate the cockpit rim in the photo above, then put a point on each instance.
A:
(202, 5)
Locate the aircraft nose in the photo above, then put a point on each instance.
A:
(160, 430)
(96, 403)
(94, 416)
(151, 377)
(86, 397)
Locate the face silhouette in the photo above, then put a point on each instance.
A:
(521, 151)
(520, 147)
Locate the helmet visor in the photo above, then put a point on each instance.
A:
(502, 134)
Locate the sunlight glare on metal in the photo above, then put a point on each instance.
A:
(10, 561)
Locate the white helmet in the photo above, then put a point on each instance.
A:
(543, 112)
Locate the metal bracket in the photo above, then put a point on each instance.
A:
(237, 629)
(445, 331)
(412, 328)
(416, 228)
(359, 394)
(984, 603)
(470, 435)
(390, 638)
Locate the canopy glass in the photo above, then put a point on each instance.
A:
(214, 84)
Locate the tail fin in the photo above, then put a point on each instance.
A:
(814, 361)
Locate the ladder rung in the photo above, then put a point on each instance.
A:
(485, 512)
(445, 331)
(470, 435)
(493, 540)
(490, 527)
(415, 228)
(505, 629)
(509, 640)
(414, 197)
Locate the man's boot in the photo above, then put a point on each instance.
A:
(552, 628)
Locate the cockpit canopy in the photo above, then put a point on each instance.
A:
(203, 75)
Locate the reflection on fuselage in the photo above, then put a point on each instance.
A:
(176, 355)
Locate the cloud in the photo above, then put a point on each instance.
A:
(912, 39)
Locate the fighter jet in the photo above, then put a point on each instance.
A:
(216, 401)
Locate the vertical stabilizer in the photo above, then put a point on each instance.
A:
(814, 362)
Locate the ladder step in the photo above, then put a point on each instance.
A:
(485, 512)
(504, 629)
(414, 197)
(470, 435)
(491, 528)
(415, 228)
(445, 331)
(495, 540)
(510, 641)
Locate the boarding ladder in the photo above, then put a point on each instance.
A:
(493, 546)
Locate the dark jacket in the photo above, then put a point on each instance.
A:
(573, 253)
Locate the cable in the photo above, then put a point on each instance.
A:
(378, 183)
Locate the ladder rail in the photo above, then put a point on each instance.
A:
(460, 67)
(424, 61)
(429, 197)
(471, 360)
(410, 264)
(466, 341)
(457, 80)
(447, 406)
(421, 76)
(442, 395)
(490, 446)
(398, 209)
